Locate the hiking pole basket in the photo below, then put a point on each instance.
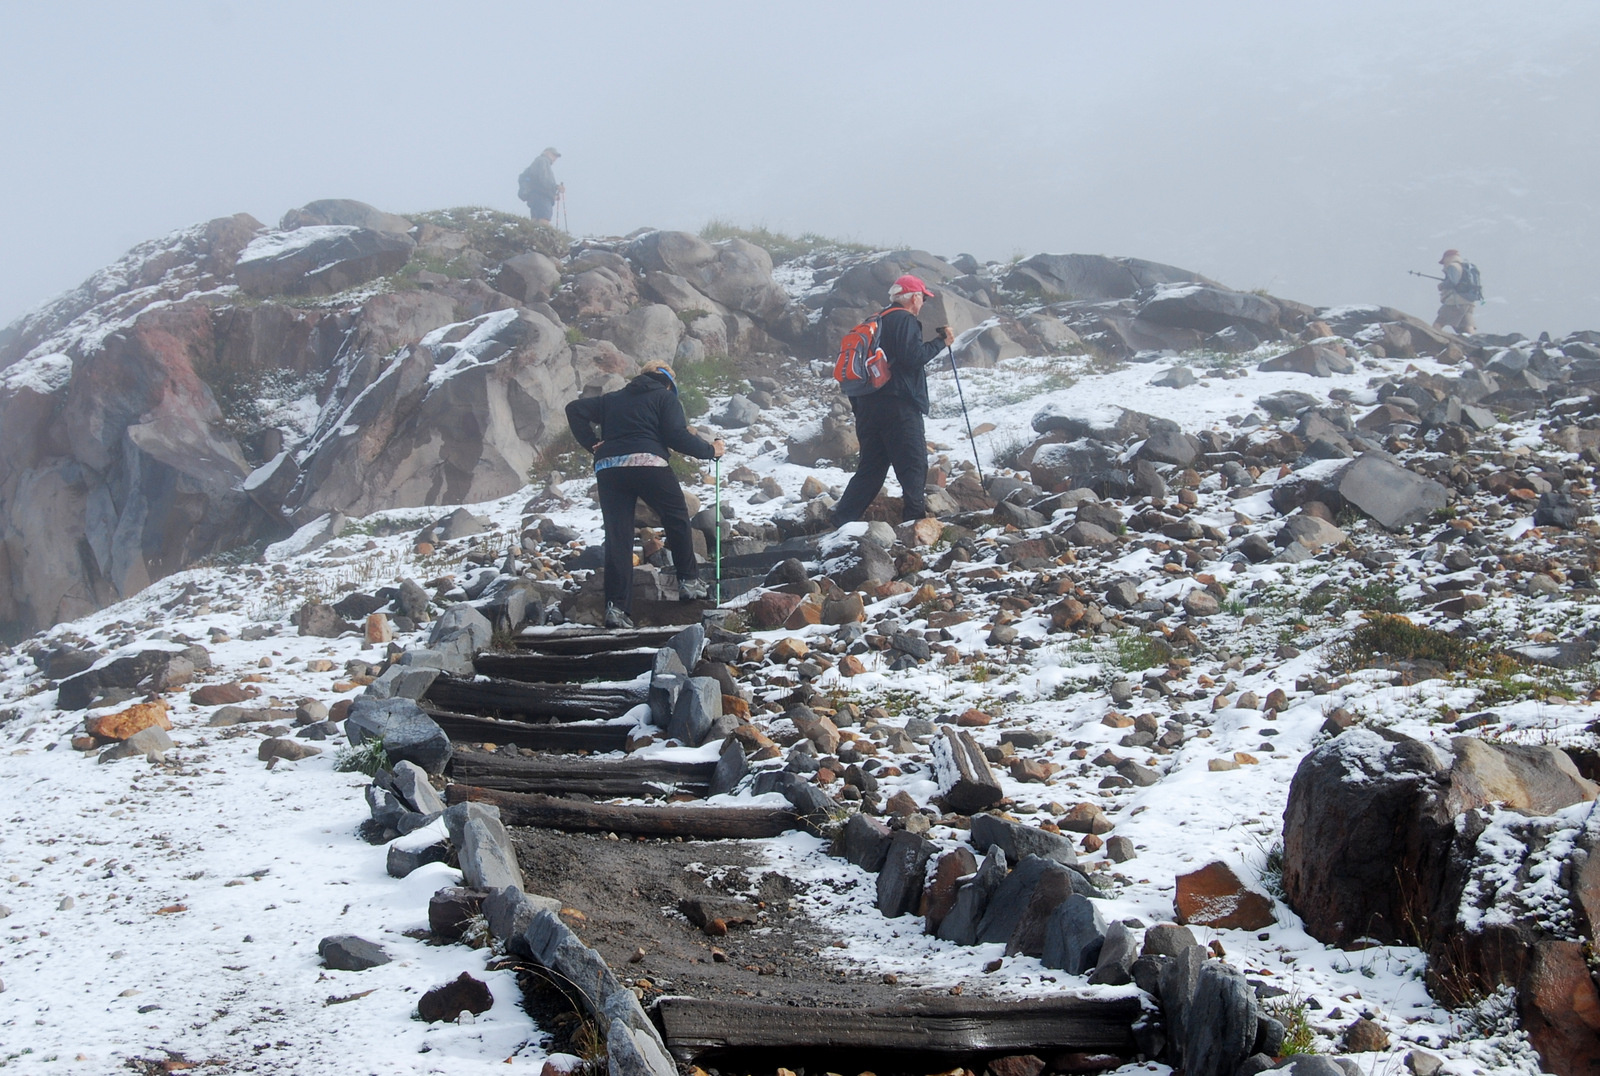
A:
(963, 398)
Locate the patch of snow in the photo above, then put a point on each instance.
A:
(277, 244)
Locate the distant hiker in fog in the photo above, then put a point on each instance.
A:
(889, 419)
(1460, 291)
(537, 186)
(639, 424)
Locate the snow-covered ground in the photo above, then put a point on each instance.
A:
(174, 909)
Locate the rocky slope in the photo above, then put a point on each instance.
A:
(1273, 620)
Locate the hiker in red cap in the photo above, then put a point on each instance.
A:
(1459, 293)
(889, 419)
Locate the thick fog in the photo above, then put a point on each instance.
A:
(1316, 150)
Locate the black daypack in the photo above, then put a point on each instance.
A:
(1470, 286)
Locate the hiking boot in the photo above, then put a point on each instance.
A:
(616, 618)
(692, 590)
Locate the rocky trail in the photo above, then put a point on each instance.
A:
(1244, 715)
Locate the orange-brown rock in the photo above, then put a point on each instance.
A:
(750, 737)
(790, 648)
(850, 665)
(222, 694)
(378, 629)
(733, 704)
(973, 718)
(807, 613)
(124, 723)
(940, 896)
(770, 610)
(920, 532)
(1213, 896)
(1086, 818)
(1560, 1009)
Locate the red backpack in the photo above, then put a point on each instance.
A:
(862, 367)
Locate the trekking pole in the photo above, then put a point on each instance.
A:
(1424, 276)
(963, 398)
(716, 470)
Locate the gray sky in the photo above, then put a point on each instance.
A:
(1317, 150)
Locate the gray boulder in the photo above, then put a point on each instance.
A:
(1119, 949)
(459, 634)
(319, 260)
(1020, 841)
(1391, 495)
(740, 412)
(346, 212)
(407, 733)
(697, 706)
(731, 768)
(900, 878)
(1092, 276)
(412, 785)
(1211, 309)
(1074, 936)
(346, 952)
(488, 859)
(529, 278)
(1220, 1025)
(863, 841)
(960, 924)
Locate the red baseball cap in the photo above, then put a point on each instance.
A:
(908, 285)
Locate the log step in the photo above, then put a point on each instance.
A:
(579, 641)
(572, 816)
(539, 667)
(693, 1027)
(632, 778)
(514, 700)
(574, 736)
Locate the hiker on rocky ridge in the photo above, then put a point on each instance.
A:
(537, 186)
(639, 424)
(1459, 293)
(889, 420)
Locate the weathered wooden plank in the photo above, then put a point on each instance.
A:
(579, 641)
(514, 700)
(607, 778)
(566, 668)
(572, 816)
(574, 736)
(692, 1026)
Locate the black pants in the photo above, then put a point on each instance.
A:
(621, 488)
(889, 428)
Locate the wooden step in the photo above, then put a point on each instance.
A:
(635, 778)
(558, 738)
(514, 700)
(566, 668)
(639, 820)
(578, 640)
(693, 1027)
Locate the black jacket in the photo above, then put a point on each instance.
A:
(642, 416)
(900, 336)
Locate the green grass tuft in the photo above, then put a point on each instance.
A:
(782, 247)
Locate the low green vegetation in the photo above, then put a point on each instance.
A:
(715, 375)
(1389, 637)
(366, 757)
(497, 235)
(1291, 1011)
(782, 247)
(1135, 653)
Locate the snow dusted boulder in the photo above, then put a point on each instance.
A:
(347, 212)
(456, 419)
(734, 274)
(1525, 919)
(1093, 276)
(1210, 309)
(1117, 425)
(320, 260)
(864, 289)
(1365, 843)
